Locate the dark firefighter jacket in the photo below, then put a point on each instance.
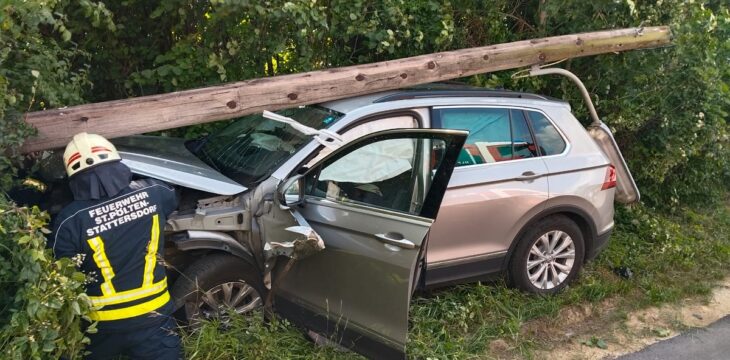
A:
(121, 242)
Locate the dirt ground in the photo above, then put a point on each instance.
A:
(569, 334)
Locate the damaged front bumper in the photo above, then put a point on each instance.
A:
(247, 225)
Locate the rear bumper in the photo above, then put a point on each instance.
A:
(598, 245)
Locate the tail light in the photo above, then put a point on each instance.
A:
(610, 181)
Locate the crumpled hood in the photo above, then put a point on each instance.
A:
(168, 159)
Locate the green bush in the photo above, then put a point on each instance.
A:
(40, 66)
(668, 107)
(42, 300)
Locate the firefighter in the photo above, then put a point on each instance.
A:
(114, 230)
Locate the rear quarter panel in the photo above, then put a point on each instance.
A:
(576, 178)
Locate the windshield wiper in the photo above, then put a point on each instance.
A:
(325, 137)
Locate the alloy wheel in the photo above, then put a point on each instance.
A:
(551, 259)
(220, 300)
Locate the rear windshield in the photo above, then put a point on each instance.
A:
(252, 147)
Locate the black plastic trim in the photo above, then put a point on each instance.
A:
(486, 269)
(526, 116)
(600, 243)
(421, 94)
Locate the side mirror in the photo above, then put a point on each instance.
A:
(291, 191)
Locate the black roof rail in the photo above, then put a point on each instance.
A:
(420, 94)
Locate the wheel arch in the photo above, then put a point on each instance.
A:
(579, 216)
(218, 242)
(207, 271)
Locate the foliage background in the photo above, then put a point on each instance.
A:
(668, 107)
(41, 299)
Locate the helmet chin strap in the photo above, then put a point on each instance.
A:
(101, 181)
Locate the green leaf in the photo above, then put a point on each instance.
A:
(157, 12)
(54, 303)
(48, 346)
(595, 342)
(78, 276)
(76, 308)
(32, 307)
(36, 254)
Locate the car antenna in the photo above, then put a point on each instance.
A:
(325, 137)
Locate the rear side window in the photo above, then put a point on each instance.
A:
(522, 143)
(548, 137)
(495, 135)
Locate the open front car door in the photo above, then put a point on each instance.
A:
(372, 202)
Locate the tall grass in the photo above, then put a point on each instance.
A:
(252, 338)
(671, 257)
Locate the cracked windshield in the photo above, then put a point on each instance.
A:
(252, 147)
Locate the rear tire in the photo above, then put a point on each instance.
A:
(548, 256)
(216, 284)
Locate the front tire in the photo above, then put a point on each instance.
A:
(548, 256)
(216, 285)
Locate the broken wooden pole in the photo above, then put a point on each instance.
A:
(189, 107)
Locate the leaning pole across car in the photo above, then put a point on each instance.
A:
(165, 111)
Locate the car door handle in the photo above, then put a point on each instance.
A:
(528, 175)
(395, 239)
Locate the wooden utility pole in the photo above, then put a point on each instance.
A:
(159, 112)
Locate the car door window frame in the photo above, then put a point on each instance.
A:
(417, 113)
(428, 209)
(531, 134)
(437, 124)
(301, 164)
(385, 115)
(414, 113)
(313, 181)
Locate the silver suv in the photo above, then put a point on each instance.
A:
(324, 212)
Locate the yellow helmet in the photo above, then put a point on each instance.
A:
(88, 150)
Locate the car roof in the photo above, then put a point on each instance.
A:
(435, 90)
